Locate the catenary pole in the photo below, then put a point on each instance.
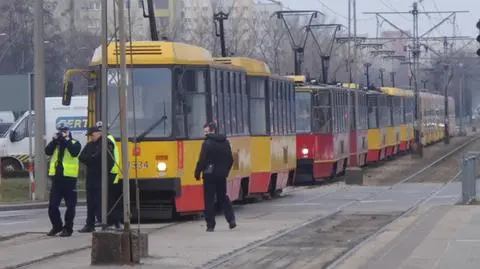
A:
(104, 97)
(39, 95)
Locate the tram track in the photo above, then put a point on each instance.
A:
(418, 176)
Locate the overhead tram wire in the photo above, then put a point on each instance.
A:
(331, 10)
(389, 6)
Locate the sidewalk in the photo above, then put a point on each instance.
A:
(441, 237)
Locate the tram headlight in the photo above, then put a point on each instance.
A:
(305, 151)
(161, 166)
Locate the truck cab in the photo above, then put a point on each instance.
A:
(17, 142)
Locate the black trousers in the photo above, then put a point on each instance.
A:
(62, 188)
(115, 202)
(216, 186)
(94, 205)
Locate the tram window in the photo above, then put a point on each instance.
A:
(284, 110)
(238, 98)
(221, 117)
(226, 103)
(372, 111)
(303, 104)
(293, 111)
(271, 116)
(195, 102)
(257, 106)
(245, 105)
(233, 104)
(278, 119)
(322, 112)
(351, 114)
(280, 107)
(213, 96)
(289, 108)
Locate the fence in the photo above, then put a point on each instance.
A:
(469, 177)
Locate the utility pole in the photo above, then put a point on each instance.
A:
(123, 114)
(298, 47)
(446, 138)
(367, 72)
(461, 101)
(415, 39)
(103, 98)
(349, 57)
(416, 56)
(382, 71)
(354, 7)
(39, 95)
(221, 17)
(324, 55)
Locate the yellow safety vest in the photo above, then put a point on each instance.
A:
(115, 169)
(70, 163)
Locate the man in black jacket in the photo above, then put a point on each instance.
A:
(91, 156)
(214, 163)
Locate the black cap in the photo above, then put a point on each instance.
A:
(93, 129)
(62, 126)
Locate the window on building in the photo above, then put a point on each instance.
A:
(161, 4)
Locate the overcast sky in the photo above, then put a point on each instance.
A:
(337, 9)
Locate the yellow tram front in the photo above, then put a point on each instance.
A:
(169, 86)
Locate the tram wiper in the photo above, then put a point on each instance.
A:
(150, 129)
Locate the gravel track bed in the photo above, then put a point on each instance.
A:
(394, 171)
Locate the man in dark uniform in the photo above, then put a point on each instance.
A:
(91, 156)
(63, 172)
(214, 163)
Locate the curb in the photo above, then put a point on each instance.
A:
(28, 206)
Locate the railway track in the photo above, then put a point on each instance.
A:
(347, 233)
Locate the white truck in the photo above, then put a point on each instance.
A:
(15, 143)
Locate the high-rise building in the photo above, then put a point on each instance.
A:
(398, 45)
(85, 15)
(169, 16)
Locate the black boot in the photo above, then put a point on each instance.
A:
(54, 232)
(87, 229)
(66, 233)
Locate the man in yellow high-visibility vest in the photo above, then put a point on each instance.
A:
(63, 171)
(114, 189)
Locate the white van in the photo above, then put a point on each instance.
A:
(14, 144)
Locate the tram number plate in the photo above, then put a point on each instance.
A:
(138, 165)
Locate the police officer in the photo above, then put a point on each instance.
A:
(91, 156)
(63, 172)
(215, 162)
(114, 188)
(115, 203)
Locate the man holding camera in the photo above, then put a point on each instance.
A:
(63, 171)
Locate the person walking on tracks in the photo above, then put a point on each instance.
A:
(63, 172)
(215, 162)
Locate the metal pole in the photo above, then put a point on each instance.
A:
(30, 138)
(104, 117)
(123, 115)
(416, 54)
(354, 33)
(446, 138)
(349, 61)
(39, 83)
(462, 112)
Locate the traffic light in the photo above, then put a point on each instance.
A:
(478, 37)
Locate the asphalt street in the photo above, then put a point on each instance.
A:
(34, 220)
